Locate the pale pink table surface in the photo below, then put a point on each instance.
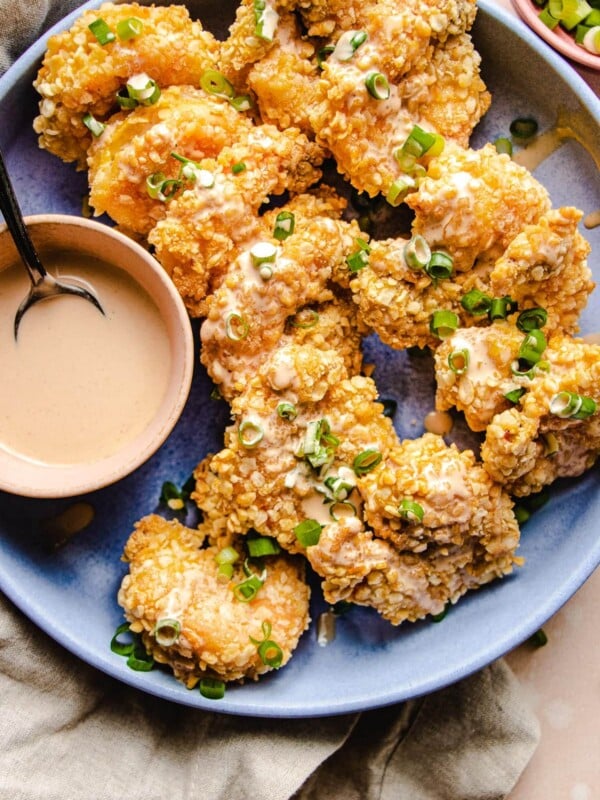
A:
(562, 679)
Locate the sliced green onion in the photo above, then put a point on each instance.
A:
(262, 546)
(591, 40)
(143, 89)
(159, 187)
(95, 127)
(263, 253)
(417, 252)
(366, 461)
(570, 405)
(419, 141)
(120, 647)
(377, 86)
(442, 614)
(338, 487)
(212, 688)
(523, 128)
(341, 509)
(503, 145)
(538, 639)
(458, 361)
(440, 265)
(250, 433)
(532, 346)
(241, 102)
(269, 651)
(547, 19)
(227, 555)
(521, 514)
(287, 411)
(172, 496)
(249, 588)
(139, 660)
(225, 573)
(532, 318)
(308, 532)
(501, 307)
(102, 31)
(266, 19)
(312, 319)
(129, 28)
(551, 445)
(323, 54)
(443, 323)
(411, 511)
(166, 632)
(236, 327)
(124, 100)
(319, 443)
(359, 259)
(238, 167)
(285, 222)
(522, 369)
(515, 394)
(215, 83)
(399, 189)
(476, 303)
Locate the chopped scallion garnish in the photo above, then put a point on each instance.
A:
(143, 89)
(443, 323)
(523, 128)
(250, 433)
(399, 189)
(458, 361)
(238, 167)
(366, 461)
(377, 86)
(440, 265)
(129, 28)
(249, 588)
(307, 318)
(120, 647)
(359, 258)
(102, 31)
(308, 532)
(532, 318)
(417, 252)
(260, 546)
(532, 347)
(266, 19)
(411, 511)
(476, 303)
(214, 82)
(95, 127)
(285, 222)
(212, 688)
(166, 632)
(570, 405)
(269, 651)
(501, 307)
(236, 326)
(503, 145)
(515, 394)
(287, 411)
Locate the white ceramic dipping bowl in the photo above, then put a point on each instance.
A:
(27, 476)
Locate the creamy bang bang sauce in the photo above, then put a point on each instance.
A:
(78, 385)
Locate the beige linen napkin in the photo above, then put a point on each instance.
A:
(68, 731)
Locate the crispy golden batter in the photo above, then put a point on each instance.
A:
(247, 315)
(207, 228)
(407, 569)
(79, 75)
(363, 133)
(528, 447)
(173, 577)
(545, 265)
(474, 202)
(139, 143)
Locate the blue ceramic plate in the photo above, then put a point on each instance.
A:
(71, 593)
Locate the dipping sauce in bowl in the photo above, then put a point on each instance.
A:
(88, 397)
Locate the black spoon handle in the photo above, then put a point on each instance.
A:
(16, 225)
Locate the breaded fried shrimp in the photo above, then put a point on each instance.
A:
(473, 203)
(192, 619)
(79, 75)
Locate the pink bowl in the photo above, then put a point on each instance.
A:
(558, 38)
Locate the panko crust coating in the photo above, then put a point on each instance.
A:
(406, 570)
(546, 265)
(79, 75)
(173, 577)
(528, 447)
(473, 203)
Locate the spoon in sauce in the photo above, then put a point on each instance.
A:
(43, 285)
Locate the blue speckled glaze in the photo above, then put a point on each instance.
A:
(71, 593)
